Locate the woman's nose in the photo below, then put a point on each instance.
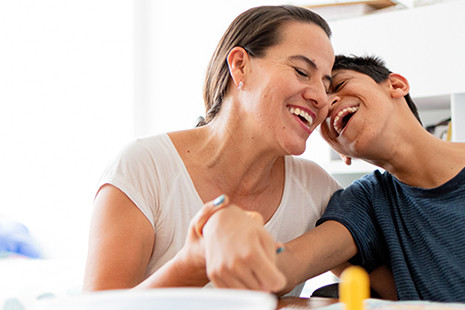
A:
(317, 95)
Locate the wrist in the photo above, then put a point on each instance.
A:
(193, 271)
(219, 203)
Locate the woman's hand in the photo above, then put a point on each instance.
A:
(190, 260)
(240, 253)
(187, 267)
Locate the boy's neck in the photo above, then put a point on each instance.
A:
(427, 162)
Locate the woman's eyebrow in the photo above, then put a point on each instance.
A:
(311, 63)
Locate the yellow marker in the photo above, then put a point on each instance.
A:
(354, 287)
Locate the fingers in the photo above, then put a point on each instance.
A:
(207, 211)
(279, 247)
(240, 253)
(267, 272)
(245, 258)
(237, 277)
(192, 253)
(255, 272)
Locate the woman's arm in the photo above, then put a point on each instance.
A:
(121, 243)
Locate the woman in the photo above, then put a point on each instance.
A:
(265, 93)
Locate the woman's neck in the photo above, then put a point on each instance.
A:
(224, 158)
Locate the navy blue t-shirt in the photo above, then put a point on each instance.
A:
(418, 233)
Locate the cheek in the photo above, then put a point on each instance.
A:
(325, 131)
(322, 117)
(330, 137)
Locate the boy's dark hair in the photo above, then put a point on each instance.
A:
(375, 68)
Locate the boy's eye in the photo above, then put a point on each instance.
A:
(336, 88)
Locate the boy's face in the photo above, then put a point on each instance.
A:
(358, 115)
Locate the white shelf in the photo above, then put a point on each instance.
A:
(432, 102)
(458, 117)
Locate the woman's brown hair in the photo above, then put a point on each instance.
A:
(255, 30)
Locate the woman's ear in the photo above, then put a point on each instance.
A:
(399, 85)
(237, 60)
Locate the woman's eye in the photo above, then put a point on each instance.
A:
(300, 72)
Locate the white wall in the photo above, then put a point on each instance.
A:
(425, 44)
(66, 106)
(176, 40)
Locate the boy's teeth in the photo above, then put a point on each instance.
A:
(297, 111)
(338, 126)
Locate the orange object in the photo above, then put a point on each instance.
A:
(354, 288)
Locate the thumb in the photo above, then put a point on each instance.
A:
(202, 216)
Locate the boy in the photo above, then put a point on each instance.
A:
(408, 218)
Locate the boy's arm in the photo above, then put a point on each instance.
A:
(241, 254)
(381, 280)
(319, 250)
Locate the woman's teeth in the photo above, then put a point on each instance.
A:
(303, 114)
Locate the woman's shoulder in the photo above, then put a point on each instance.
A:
(148, 146)
(143, 156)
(149, 141)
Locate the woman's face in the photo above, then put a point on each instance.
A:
(286, 90)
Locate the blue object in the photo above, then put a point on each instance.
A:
(16, 239)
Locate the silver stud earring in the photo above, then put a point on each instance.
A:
(240, 85)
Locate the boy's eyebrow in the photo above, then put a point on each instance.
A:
(311, 63)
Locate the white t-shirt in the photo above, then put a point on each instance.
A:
(152, 174)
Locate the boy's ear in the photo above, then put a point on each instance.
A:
(237, 60)
(399, 85)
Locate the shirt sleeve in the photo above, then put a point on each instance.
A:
(352, 207)
(134, 172)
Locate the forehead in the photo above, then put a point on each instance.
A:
(349, 75)
(309, 40)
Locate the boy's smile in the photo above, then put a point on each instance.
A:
(342, 117)
(354, 119)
